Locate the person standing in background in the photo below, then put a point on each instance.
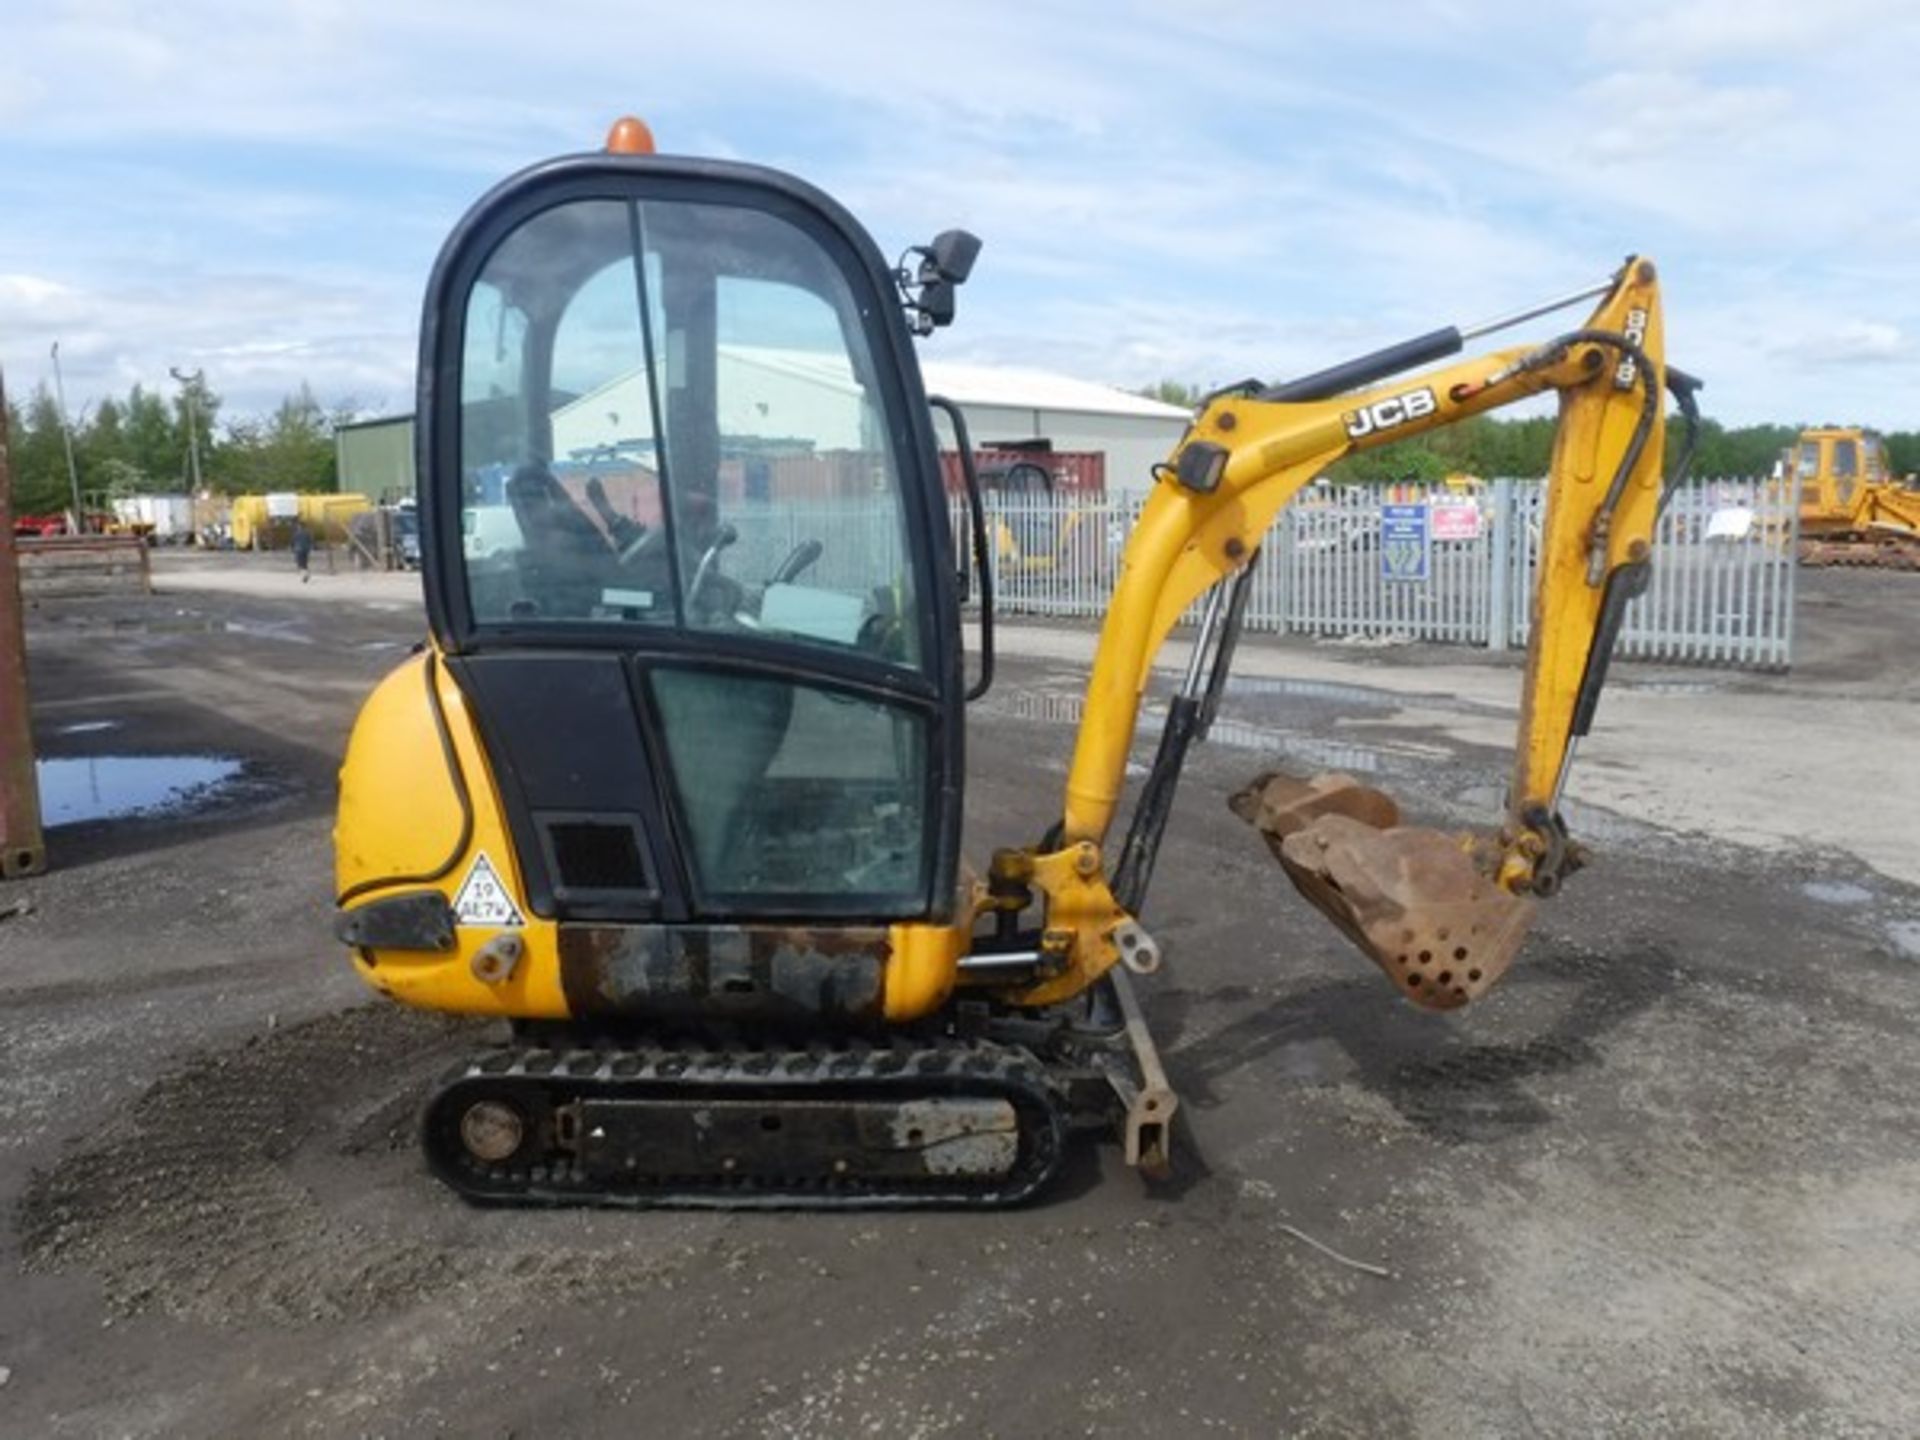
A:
(302, 549)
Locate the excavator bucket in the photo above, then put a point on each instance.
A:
(1413, 899)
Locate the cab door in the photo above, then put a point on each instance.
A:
(686, 551)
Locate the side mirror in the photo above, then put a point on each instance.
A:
(950, 256)
(936, 303)
(929, 290)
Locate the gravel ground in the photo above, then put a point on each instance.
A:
(1660, 1182)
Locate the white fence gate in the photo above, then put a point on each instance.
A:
(1342, 564)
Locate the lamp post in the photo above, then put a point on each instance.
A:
(189, 385)
(66, 433)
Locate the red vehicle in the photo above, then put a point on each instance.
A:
(47, 527)
(1034, 472)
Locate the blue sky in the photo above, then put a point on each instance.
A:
(1201, 193)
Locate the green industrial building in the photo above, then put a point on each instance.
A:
(375, 458)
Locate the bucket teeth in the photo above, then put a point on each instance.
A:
(1413, 899)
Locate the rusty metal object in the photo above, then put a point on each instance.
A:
(1420, 903)
(1148, 1130)
(23, 849)
(59, 565)
(1278, 804)
(736, 972)
(1877, 552)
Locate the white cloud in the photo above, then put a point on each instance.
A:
(1849, 342)
(1754, 32)
(258, 336)
(30, 295)
(1164, 190)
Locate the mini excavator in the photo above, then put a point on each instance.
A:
(675, 789)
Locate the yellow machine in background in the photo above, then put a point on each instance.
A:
(1853, 511)
(1038, 531)
(265, 522)
(681, 799)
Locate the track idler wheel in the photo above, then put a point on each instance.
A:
(1414, 900)
(492, 1131)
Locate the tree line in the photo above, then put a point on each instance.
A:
(1488, 446)
(143, 443)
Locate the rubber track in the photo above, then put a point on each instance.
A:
(542, 1079)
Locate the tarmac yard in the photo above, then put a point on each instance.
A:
(1666, 1179)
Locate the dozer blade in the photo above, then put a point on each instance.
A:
(1880, 551)
(1413, 899)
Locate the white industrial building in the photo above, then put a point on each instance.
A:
(784, 392)
(770, 393)
(1133, 432)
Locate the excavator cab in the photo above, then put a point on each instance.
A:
(713, 644)
(676, 788)
(1830, 465)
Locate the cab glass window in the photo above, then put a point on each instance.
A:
(1876, 458)
(670, 418)
(795, 791)
(1846, 470)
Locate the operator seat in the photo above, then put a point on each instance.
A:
(565, 562)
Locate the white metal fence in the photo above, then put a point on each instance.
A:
(1434, 565)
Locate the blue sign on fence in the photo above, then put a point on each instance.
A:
(1405, 542)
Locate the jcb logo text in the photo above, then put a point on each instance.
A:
(1636, 331)
(1392, 411)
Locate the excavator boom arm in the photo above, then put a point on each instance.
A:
(1247, 456)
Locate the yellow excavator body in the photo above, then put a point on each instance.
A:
(419, 806)
(675, 787)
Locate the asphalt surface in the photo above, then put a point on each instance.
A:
(1662, 1181)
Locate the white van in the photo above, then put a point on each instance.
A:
(489, 530)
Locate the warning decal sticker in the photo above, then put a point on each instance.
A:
(483, 897)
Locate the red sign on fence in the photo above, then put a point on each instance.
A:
(1455, 520)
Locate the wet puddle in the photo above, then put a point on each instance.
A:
(1671, 687)
(1280, 744)
(113, 787)
(1905, 935)
(1324, 690)
(1331, 754)
(1585, 822)
(1052, 707)
(267, 630)
(1604, 827)
(1836, 892)
(193, 622)
(1291, 723)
